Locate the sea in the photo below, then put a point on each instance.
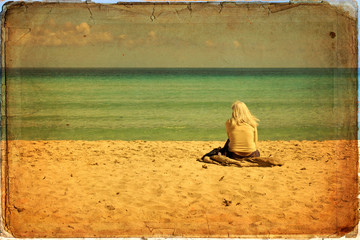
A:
(172, 104)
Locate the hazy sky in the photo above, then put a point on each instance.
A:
(175, 36)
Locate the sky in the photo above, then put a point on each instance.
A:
(77, 38)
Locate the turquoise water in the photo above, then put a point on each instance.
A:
(179, 104)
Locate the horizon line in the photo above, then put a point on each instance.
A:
(179, 68)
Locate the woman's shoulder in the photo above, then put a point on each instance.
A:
(229, 122)
(247, 126)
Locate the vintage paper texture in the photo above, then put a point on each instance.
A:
(72, 187)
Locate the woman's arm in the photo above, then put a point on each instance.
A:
(256, 137)
(227, 125)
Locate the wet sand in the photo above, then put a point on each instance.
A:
(158, 189)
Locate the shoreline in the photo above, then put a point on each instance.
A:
(157, 189)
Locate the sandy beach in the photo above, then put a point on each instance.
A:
(158, 189)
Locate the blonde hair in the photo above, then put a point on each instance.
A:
(241, 114)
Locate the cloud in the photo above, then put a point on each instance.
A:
(209, 43)
(83, 28)
(68, 26)
(51, 23)
(124, 40)
(122, 37)
(152, 35)
(131, 42)
(66, 34)
(103, 37)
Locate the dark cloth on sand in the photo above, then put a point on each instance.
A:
(225, 151)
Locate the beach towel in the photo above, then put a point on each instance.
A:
(213, 152)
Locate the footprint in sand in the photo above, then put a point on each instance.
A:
(158, 191)
(110, 207)
(285, 204)
(194, 195)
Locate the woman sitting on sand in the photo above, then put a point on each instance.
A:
(242, 134)
(242, 143)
